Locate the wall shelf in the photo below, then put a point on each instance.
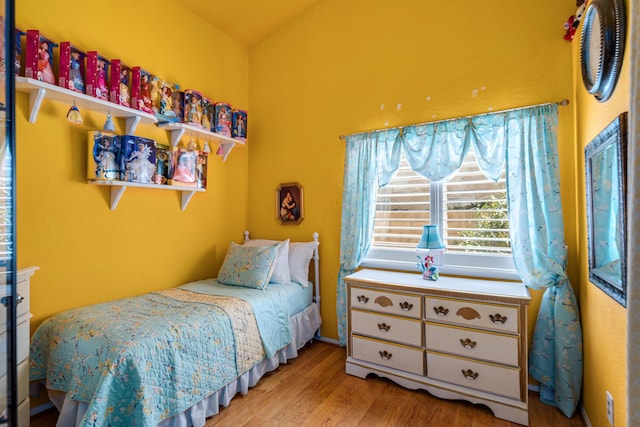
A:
(118, 188)
(39, 90)
(178, 130)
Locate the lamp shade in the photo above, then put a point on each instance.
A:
(430, 238)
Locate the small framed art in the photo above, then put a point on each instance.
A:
(289, 203)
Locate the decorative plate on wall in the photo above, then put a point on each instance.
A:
(602, 46)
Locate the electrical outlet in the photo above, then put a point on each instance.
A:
(610, 408)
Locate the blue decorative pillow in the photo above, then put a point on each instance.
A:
(248, 266)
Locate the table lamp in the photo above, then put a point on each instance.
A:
(429, 240)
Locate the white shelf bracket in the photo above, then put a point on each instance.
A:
(186, 198)
(132, 124)
(226, 149)
(176, 136)
(35, 101)
(116, 194)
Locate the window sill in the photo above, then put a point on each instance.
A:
(452, 270)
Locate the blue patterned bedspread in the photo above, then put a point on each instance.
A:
(139, 360)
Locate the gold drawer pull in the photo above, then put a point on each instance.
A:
(467, 343)
(441, 311)
(406, 306)
(498, 318)
(383, 301)
(469, 374)
(468, 313)
(385, 354)
(363, 299)
(384, 327)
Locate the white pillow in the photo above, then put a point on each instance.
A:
(281, 273)
(300, 254)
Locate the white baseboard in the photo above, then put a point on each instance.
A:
(329, 340)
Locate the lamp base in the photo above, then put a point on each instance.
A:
(431, 273)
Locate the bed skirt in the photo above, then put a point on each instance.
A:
(303, 328)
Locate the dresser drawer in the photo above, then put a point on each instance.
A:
(487, 377)
(22, 309)
(387, 302)
(387, 327)
(387, 354)
(493, 347)
(475, 314)
(22, 344)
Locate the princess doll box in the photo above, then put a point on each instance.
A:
(71, 67)
(97, 75)
(183, 168)
(239, 125)
(162, 97)
(222, 119)
(138, 161)
(38, 57)
(192, 107)
(103, 157)
(114, 81)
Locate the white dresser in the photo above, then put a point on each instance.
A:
(23, 316)
(456, 338)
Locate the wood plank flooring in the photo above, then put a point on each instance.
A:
(314, 390)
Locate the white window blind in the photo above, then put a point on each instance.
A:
(470, 210)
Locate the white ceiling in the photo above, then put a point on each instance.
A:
(248, 21)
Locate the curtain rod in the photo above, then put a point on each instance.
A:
(562, 103)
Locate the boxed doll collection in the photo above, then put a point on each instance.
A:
(110, 80)
(133, 158)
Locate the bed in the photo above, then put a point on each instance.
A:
(173, 357)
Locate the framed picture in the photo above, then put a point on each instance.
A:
(289, 203)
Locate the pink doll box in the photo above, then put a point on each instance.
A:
(222, 119)
(192, 107)
(183, 169)
(38, 57)
(71, 67)
(103, 156)
(114, 81)
(135, 88)
(239, 122)
(90, 69)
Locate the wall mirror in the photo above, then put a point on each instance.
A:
(606, 166)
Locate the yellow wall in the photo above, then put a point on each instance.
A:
(86, 252)
(345, 67)
(604, 321)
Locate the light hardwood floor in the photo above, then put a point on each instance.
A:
(314, 390)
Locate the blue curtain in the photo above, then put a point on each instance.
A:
(361, 168)
(539, 252)
(526, 140)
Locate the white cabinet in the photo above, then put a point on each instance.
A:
(456, 338)
(23, 336)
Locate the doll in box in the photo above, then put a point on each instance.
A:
(166, 102)
(184, 171)
(145, 93)
(124, 98)
(76, 78)
(101, 90)
(192, 108)
(105, 153)
(140, 159)
(45, 72)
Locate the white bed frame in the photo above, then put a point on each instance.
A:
(316, 271)
(305, 327)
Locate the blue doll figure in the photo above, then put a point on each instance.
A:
(76, 82)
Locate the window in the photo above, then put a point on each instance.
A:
(470, 210)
